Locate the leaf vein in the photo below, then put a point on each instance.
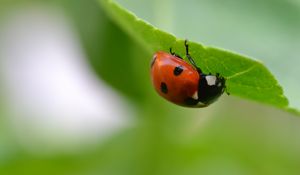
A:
(241, 73)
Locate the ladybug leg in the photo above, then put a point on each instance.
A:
(189, 56)
(173, 53)
(225, 88)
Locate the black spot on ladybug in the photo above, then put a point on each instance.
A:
(153, 61)
(177, 71)
(163, 87)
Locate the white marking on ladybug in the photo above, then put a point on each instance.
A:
(211, 80)
(200, 104)
(195, 95)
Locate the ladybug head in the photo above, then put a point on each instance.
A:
(211, 87)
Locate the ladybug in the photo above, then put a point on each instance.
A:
(182, 83)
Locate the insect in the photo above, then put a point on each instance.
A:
(184, 83)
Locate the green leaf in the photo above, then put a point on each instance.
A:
(247, 78)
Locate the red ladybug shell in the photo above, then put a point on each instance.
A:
(174, 79)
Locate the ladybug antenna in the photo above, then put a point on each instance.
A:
(226, 91)
(225, 87)
(173, 53)
(191, 60)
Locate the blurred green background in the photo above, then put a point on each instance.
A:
(76, 97)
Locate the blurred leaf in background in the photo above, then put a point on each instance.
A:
(233, 136)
